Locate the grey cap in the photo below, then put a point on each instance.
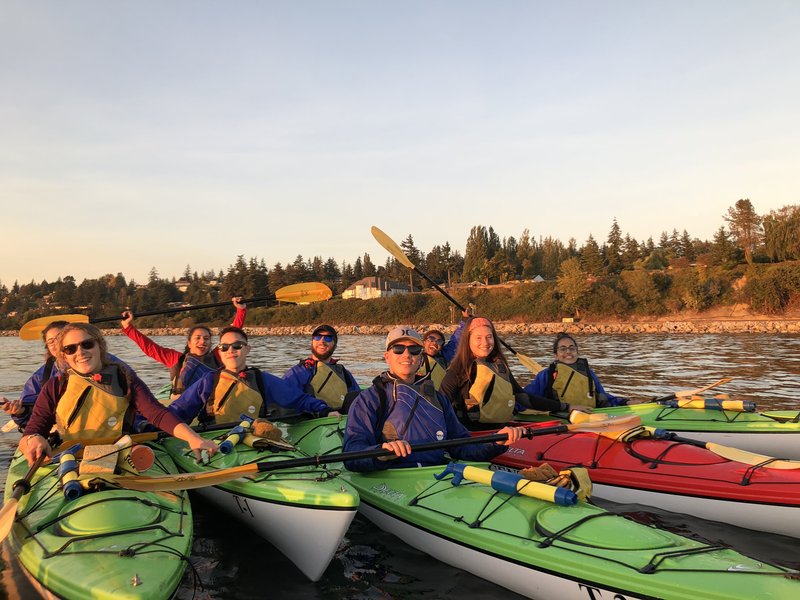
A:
(403, 332)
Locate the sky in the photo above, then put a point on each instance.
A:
(188, 132)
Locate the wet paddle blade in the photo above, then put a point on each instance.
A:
(7, 515)
(392, 248)
(32, 330)
(184, 481)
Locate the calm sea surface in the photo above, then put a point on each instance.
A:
(235, 563)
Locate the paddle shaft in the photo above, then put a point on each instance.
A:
(379, 452)
(456, 303)
(177, 309)
(22, 486)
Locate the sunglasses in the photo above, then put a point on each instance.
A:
(71, 349)
(435, 340)
(233, 346)
(328, 339)
(412, 350)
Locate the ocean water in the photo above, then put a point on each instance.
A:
(232, 562)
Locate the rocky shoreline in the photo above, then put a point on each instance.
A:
(694, 326)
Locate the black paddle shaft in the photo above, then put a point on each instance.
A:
(176, 309)
(377, 453)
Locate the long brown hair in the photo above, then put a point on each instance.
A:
(462, 362)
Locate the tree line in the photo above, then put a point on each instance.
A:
(748, 259)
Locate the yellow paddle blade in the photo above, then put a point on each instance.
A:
(184, 481)
(391, 247)
(688, 393)
(304, 293)
(7, 515)
(530, 364)
(750, 458)
(610, 423)
(32, 330)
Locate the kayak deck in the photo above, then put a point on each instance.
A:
(108, 544)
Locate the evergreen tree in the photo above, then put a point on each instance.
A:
(591, 260)
(476, 255)
(613, 249)
(745, 226)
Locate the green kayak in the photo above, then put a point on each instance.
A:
(774, 433)
(286, 507)
(105, 545)
(542, 550)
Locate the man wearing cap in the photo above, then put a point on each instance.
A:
(438, 354)
(402, 408)
(320, 375)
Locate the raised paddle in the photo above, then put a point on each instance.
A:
(298, 293)
(392, 248)
(188, 481)
(19, 488)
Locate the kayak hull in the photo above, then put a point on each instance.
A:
(109, 544)
(287, 508)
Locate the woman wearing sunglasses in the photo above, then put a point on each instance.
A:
(20, 408)
(438, 354)
(320, 374)
(197, 358)
(95, 398)
(402, 408)
(479, 382)
(569, 378)
(235, 389)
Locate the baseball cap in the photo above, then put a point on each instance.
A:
(326, 329)
(403, 332)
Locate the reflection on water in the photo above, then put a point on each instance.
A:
(233, 563)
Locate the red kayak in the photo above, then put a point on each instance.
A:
(675, 474)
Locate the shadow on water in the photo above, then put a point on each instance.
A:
(370, 564)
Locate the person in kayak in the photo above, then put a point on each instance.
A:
(20, 408)
(197, 359)
(222, 396)
(402, 408)
(438, 354)
(320, 374)
(569, 378)
(94, 397)
(479, 383)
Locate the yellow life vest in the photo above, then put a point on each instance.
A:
(491, 392)
(89, 409)
(234, 396)
(433, 370)
(328, 384)
(572, 386)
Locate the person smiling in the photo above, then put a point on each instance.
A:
(402, 408)
(320, 374)
(235, 389)
(479, 383)
(569, 378)
(95, 398)
(197, 358)
(438, 354)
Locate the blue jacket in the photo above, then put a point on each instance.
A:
(364, 432)
(539, 386)
(451, 347)
(276, 390)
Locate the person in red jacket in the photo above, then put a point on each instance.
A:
(196, 360)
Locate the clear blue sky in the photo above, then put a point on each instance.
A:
(166, 133)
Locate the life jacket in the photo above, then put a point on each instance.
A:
(95, 406)
(329, 383)
(434, 368)
(189, 369)
(491, 394)
(414, 414)
(571, 384)
(235, 394)
(49, 367)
